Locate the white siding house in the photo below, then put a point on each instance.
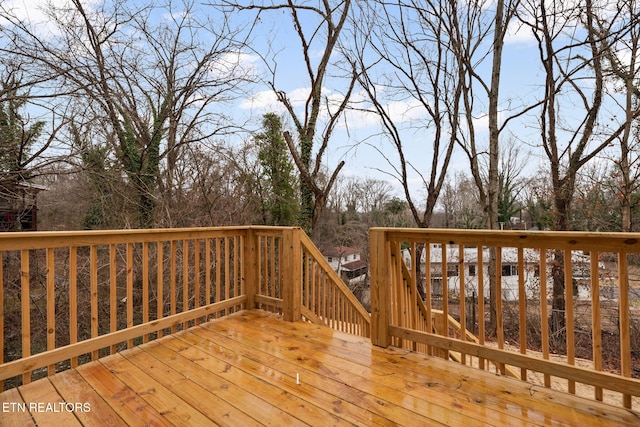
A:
(510, 273)
(346, 262)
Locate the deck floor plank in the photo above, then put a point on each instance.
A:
(365, 374)
(216, 398)
(73, 388)
(131, 407)
(313, 387)
(258, 380)
(50, 411)
(504, 394)
(243, 369)
(373, 397)
(13, 414)
(165, 401)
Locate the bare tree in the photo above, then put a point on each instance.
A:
(319, 30)
(595, 206)
(362, 199)
(220, 186)
(28, 144)
(460, 202)
(510, 182)
(149, 74)
(571, 51)
(622, 64)
(473, 29)
(403, 59)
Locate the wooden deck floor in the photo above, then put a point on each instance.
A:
(244, 370)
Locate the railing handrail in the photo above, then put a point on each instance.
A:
(584, 240)
(61, 239)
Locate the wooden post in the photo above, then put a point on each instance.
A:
(250, 266)
(380, 287)
(292, 274)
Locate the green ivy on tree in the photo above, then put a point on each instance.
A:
(280, 203)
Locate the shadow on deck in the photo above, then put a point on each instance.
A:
(253, 368)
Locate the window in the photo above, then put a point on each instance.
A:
(436, 270)
(330, 259)
(509, 270)
(436, 287)
(452, 270)
(472, 270)
(581, 271)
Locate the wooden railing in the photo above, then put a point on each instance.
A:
(422, 278)
(320, 296)
(70, 297)
(325, 297)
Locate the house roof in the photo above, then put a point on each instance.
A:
(23, 185)
(32, 186)
(354, 265)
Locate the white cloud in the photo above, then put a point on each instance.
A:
(299, 96)
(262, 102)
(267, 101)
(481, 123)
(235, 64)
(31, 12)
(359, 116)
(517, 33)
(405, 111)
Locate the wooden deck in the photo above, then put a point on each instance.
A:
(253, 368)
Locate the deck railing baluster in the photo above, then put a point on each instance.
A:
(93, 284)
(113, 293)
(145, 286)
(569, 315)
(625, 326)
(462, 310)
(185, 279)
(51, 305)
(160, 283)
(544, 312)
(172, 282)
(129, 270)
(522, 310)
(481, 308)
(596, 329)
(73, 300)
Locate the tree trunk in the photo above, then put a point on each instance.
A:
(557, 319)
(494, 148)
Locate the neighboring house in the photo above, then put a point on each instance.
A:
(347, 263)
(510, 274)
(18, 207)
